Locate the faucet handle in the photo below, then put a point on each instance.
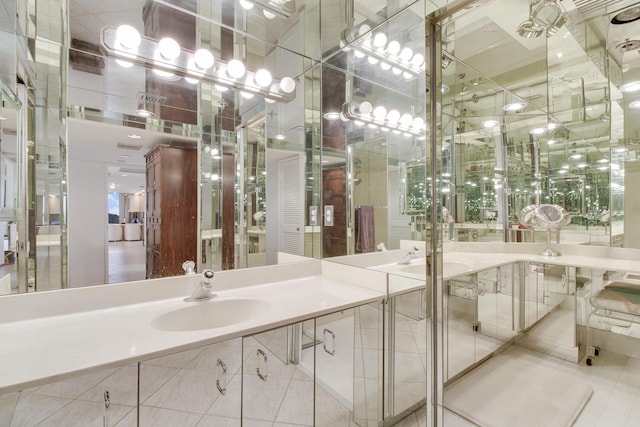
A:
(189, 267)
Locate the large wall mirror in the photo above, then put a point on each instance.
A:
(545, 123)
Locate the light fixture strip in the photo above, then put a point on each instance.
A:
(350, 111)
(393, 60)
(146, 55)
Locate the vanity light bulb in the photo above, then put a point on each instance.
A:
(128, 37)
(163, 74)
(246, 4)
(123, 63)
(372, 60)
(359, 54)
(268, 14)
(406, 54)
(406, 120)
(246, 95)
(417, 60)
(379, 112)
(235, 69)
(203, 59)
(364, 29)
(379, 40)
(365, 108)
(263, 77)
(393, 116)
(407, 75)
(358, 122)
(287, 85)
(169, 48)
(385, 65)
(191, 80)
(221, 88)
(396, 70)
(393, 48)
(418, 123)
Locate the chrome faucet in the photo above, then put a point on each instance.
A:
(204, 289)
(409, 256)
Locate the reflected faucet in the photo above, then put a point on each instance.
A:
(406, 260)
(203, 290)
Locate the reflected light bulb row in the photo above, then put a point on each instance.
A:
(390, 55)
(169, 61)
(379, 117)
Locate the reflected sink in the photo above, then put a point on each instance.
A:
(450, 268)
(210, 314)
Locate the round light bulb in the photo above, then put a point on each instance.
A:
(379, 40)
(406, 54)
(406, 120)
(246, 4)
(287, 85)
(359, 54)
(385, 65)
(365, 108)
(123, 63)
(417, 60)
(221, 88)
(270, 101)
(407, 75)
(128, 37)
(393, 48)
(379, 112)
(396, 70)
(203, 59)
(393, 116)
(235, 68)
(364, 29)
(191, 80)
(372, 60)
(418, 123)
(263, 77)
(163, 74)
(169, 48)
(268, 14)
(246, 95)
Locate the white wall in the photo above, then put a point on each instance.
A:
(87, 230)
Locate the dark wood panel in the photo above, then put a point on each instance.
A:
(334, 241)
(172, 216)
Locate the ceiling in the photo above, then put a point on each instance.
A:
(112, 146)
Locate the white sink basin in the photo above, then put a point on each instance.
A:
(450, 268)
(210, 314)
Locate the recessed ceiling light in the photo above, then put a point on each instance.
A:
(514, 106)
(626, 16)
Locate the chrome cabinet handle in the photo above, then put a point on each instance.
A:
(326, 332)
(259, 353)
(107, 404)
(222, 372)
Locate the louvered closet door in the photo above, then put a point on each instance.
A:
(291, 206)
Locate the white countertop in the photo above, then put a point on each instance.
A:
(39, 350)
(46, 337)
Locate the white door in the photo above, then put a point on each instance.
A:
(291, 192)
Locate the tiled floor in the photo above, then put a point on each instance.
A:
(127, 261)
(616, 392)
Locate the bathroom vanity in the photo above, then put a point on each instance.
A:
(310, 342)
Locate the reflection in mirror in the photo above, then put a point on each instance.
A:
(10, 200)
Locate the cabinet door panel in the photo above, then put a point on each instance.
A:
(275, 390)
(184, 388)
(106, 397)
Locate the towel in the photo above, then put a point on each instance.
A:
(365, 229)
